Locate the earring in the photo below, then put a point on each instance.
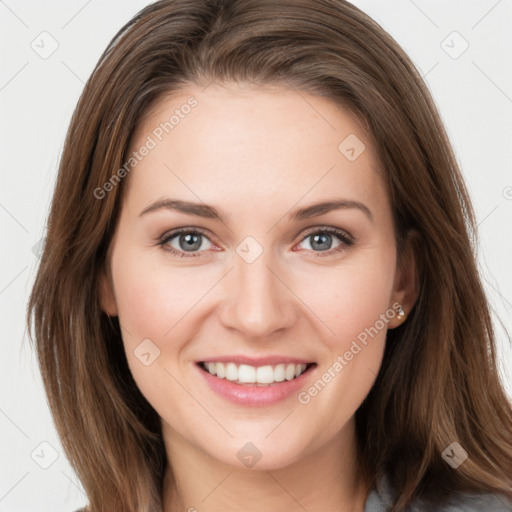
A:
(401, 314)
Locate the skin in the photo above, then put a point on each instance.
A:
(256, 154)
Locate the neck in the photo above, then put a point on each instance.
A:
(325, 480)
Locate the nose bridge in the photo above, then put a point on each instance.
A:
(258, 303)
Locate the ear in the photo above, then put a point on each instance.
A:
(106, 293)
(406, 286)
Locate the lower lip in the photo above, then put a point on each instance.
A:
(254, 395)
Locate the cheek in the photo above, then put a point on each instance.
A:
(355, 305)
(353, 298)
(152, 298)
(152, 302)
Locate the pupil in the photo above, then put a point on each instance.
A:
(190, 241)
(319, 239)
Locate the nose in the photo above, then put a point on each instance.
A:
(258, 302)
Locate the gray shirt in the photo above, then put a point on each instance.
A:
(380, 499)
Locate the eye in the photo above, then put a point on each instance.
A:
(190, 242)
(185, 242)
(320, 241)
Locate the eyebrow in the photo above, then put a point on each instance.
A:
(210, 212)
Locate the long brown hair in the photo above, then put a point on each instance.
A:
(439, 379)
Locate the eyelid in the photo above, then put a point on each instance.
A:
(171, 233)
(327, 229)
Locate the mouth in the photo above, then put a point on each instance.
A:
(256, 376)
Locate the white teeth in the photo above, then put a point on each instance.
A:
(290, 372)
(261, 375)
(265, 375)
(220, 370)
(231, 371)
(246, 373)
(279, 373)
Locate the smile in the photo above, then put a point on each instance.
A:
(244, 374)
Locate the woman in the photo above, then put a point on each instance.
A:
(258, 289)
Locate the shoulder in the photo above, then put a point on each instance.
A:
(478, 503)
(380, 500)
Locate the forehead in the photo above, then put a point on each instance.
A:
(241, 144)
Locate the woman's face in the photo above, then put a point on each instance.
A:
(259, 279)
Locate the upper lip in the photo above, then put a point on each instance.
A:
(255, 361)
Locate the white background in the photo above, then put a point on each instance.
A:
(37, 98)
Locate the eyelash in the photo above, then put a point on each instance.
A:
(342, 235)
